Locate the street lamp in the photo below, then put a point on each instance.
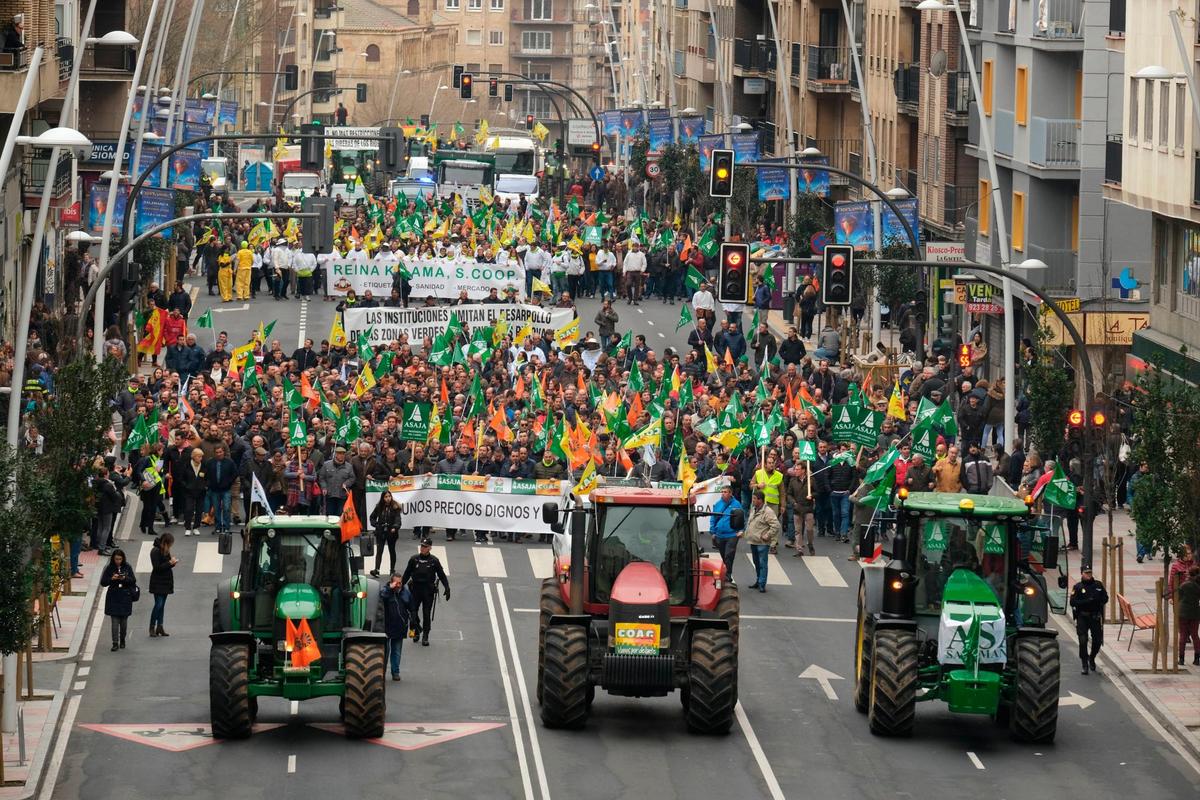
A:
(1154, 72)
(57, 137)
(80, 237)
(896, 193)
(211, 96)
(114, 39)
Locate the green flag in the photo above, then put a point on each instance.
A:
(205, 320)
(808, 450)
(706, 427)
(685, 317)
(635, 378)
(297, 433)
(270, 326)
(879, 497)
(685, 393)
(1060, 491)
(139, 436)
(708, 242)
(536, 397)
(364, 346)
(924, 441)
(882, 466)
(415, 426)
(441, 354)
(768, 277)
(694, 278)
(625, 343)
(290, 395)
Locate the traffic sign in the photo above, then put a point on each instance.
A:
(596, 173)
(817, 243)
(653, 170)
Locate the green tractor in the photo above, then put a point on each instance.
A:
(957, 612)
(296, 622)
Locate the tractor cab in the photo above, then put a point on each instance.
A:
(284, 560)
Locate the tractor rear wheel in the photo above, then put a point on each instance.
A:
(862, 654)
(1033, 716)
(729, 609)
(216, 626)
(711, 692)
(891, 709)
(364, 702)
(565, 677)
(551, 603)
(230, 708)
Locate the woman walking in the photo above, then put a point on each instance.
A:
(386, 521)
(122, 592)
(194, 486)
(162, 580)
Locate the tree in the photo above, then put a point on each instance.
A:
(1049, 388)
(19, 534)
(813, 215)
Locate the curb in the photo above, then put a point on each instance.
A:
(37, 764)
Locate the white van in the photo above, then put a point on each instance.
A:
(419, 168)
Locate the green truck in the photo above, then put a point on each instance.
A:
(298, 622)
(956, 611)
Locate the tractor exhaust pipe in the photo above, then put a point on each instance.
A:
(578, 548)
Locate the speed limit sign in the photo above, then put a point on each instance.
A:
(653, 170)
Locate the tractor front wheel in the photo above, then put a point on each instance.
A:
(231, 710)
(862, 654)
(564, 668)
(364, 702)
(729, 608)
(891, 709)
(551, 603)
(711, 692)
(1033, 716)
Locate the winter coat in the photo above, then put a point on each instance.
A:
(118, 600)
(762, 526)
(220, 474)
(109, 499)
(976, 475)
(396, 605)
(334, 476)
(190, 481)
(386, 519)
(792, 351)
(554, 471)
(797, 495)
(918, 477)
(946, 476)
(162, 574)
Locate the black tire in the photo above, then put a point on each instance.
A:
(230, 708)
(1033, 716)
(891, 709)
(712, 682)
(216, 625)
(862, 654)
(565, 677)
(551, 603)
(729, 608)
(365, 698)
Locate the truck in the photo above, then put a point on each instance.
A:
(216, 168)
(518, 162)
(464, 176)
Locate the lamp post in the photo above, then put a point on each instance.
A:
(279, 66)
(985, 141)
(433, 102)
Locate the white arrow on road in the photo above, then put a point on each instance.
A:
(242, 307)
(823, 677)
(1073, 699)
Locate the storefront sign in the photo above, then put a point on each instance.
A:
(978, 297)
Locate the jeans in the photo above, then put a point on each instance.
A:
(789, 528)
(76, 549)
(823, 511)
(102, 533)
(119, 626)
(759, 553)
(334, 505)
(395, 646)
(841, 512)
(156, 613)
(529, 276)
(728, 550)
(220, 502)
(606, 282)
(989, 429)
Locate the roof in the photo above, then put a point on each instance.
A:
(286, 522)
(369, 14)
(638, 496)
(950, 504)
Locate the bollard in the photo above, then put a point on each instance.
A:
(21, 735)
(29, 670)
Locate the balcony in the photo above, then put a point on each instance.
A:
(752, 55)
(523, 15)
(830, 69)
(37, 163)
(1196, 179)
(1113, 158)
(907, 178)
(907, 81)
(1054, 143)
(555, 50)
(326, 11)
(12, 78)
(1061, 272)
(1004, 130)
(956, 202)
(958, 98)
(107, 63)
(1064, 21)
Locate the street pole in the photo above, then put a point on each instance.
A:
(149, 100)
(221, 84)
(279, 68)
(728, 105)
(183, 68)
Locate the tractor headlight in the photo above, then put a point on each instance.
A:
(360, 595)
(236, 595)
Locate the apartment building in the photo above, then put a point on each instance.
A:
(302, 33)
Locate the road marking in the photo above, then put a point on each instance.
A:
(303, 324)
(775, 574)
(760, 757)
(143, 559)
(295, 709)
(514, 720)
(208, 560)
(975, 760)
(823, 570)
(79, 686)
(60, 748)
(823, 677)
(89, 651)
(193, 292)
(489, 563)
(242, 307)
(84, 671)
(662, 335)
(783, 618)
(650, 321)
(1072, 699)
(542, 561)
(291, 763)
(439, 550)
(534, 746)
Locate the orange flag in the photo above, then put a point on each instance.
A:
(302, 644)
(468, 435)
(499, 423)
(351, 526)
(306, 391)
(579, 384)
(791, 399)
(445, 394)
(806, 394)
(624, 459)
(635, 409)
(519, 389)
(729, 357)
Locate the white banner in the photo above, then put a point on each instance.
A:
(478, 502)
(346, 138)
(387, 324)
(441, 278)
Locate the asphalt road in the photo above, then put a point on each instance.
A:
(463, 722)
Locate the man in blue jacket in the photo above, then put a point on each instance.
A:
(725, 536)
(220, 472)
(397, 601)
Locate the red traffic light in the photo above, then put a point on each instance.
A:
(964, 355)
(1075, 418)
(733, 259)
(1098, 419)
(838, 261)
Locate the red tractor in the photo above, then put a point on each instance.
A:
(636, 608)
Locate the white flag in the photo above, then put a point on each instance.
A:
(259, 495)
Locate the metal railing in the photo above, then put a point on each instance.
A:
(755, 55)
(957, 201)
(1005, 125)
(1054, 142)
(908, 180)
(907, 80)
(797, 58)
(958, 92)
(1113, 157)
(108, 59)
(831, 65)
(1060, 261)
(555, 50)
(1062, 19)
(1196, 179)
(37, 164)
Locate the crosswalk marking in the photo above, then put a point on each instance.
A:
(823, 571)
(439, 550)
(489, 562)
(208, 560)
(143, 566)
(542, 561)
(775, 574)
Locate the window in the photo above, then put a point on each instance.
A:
(452, 5)
(1180, 114)
(1164, 112)
(475, 37)
(538, 105)
(496, 5)
(536, 41)
(937, 160)
(414, 8)
(985, 207)
(1148, 119)
(539, 9)
(987, 87)
(474, 5)
(1022, 102)
(495, 69)
(1018, 221)
(1188, 258)
(496, 37)
(372, 52)
(1133, 108)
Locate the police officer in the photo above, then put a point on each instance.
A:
(424, 570)
(1088, 598)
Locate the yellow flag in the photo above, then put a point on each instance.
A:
(280, 150)
(528, 233)
(328, 149)
(568, 334)
(896, 404)
(541, 286)
(482, 134)
(588, 480)
(499, 330)
(365, 382)
(337, 334)
(729, 439)
(687, 475)
(485, 195)
(710, 363)
(240, 355)
(540, 131)
(524, 333)
(651, 434)
(292, 230)
(258, 234)
(575, 245)
(494, 143)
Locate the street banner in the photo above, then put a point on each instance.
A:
(690, 129)
(745, 147)
(385, 325)
(661, 134)
(610, 123)
(193, 131)
(632, 124)
(154, 207)
(340, 137)
(858, 425)
(892, 230)
(228, 113)
(471, 501)
(852, 224)
(185, 170)
(149, 154)
(98, 204)
(430, 277)
(707, 144)
(812, 180)
(415, 427)
(773, 183)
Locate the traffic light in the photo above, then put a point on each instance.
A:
(837, 274)
(1075, 418)
(733, 283)
(720, 178)
(596, 152)
(1099, 419)
(458, 71)
(529, 122)
(493, 87)
(392, 149)
(964, 356)
(425, 121)
(360, 93)
(291, 78)
(508, 92)
(464, 86)
(312, 149)
(317, 232)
